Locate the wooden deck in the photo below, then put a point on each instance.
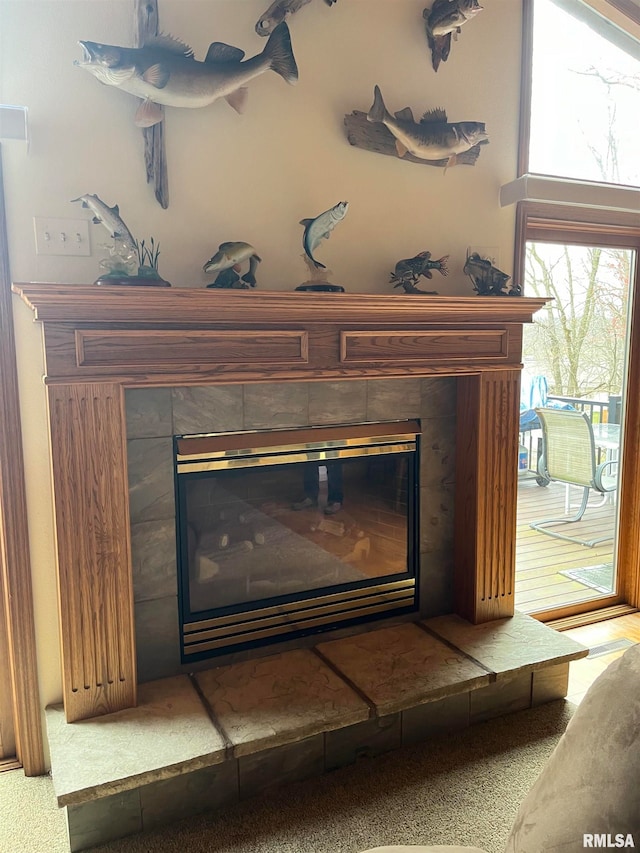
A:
(540, 558)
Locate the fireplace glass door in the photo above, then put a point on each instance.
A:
(286, 533)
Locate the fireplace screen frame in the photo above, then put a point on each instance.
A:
(246, 625)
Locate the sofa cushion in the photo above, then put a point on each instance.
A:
(591, 783)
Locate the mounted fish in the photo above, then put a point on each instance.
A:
(433, 137)
(407, 272)
(279, 11)
(487, 279)
(129, 261)
(321, 228)
(228, 261)
(109, 217)
(166, 72)
(443, 21)
(316, 230)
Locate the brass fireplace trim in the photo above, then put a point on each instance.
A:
(286, 458)
(214, 444)
(292, 618)
(265, 612)
(284, 447)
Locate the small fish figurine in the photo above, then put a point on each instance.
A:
(166, 72)
(487, 279)
(279, 11)
(321, 227)
(443, 21)
(109, 217)
(231, 256)
(432, 138)
(407, 272)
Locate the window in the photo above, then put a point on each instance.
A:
(585, 96)
(581, 99)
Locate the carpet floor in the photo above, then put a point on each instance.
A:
(460, 789)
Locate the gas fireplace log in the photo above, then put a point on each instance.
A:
(204, 568)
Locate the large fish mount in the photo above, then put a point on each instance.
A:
(279, 11)
(443, 22)
(374, 136)
(164, 72)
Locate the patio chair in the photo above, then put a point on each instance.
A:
(569, 456)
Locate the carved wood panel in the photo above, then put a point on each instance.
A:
(486, 494)
(142, 349)
(423, 346)
(93, 543)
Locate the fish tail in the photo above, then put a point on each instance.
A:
(279, 52)
(378, 111)
(442, 264)
(308, 253)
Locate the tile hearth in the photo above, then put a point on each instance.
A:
(200, 742)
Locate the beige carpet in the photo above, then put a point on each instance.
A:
(461, 789)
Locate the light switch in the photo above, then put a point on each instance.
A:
(62, 236)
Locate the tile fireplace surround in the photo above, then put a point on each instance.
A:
(104, 343)
(154, 415)
(126, 369)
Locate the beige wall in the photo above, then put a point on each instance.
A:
(250, 177)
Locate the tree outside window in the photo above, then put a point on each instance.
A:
(584, 108)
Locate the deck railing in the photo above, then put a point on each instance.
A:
(599, 411)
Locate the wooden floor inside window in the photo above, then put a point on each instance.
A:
(582, 673)
(540, 586)
(540, 558)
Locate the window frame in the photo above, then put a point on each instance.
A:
(555, 222)
(526, 87)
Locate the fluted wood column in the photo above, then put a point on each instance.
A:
(93, 548)
(486, 493)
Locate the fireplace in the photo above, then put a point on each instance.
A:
(414, 458)
(102, 344)
(286, 533)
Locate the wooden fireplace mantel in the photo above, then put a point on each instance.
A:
(133, 305)
(163, 336)
(100, 340)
